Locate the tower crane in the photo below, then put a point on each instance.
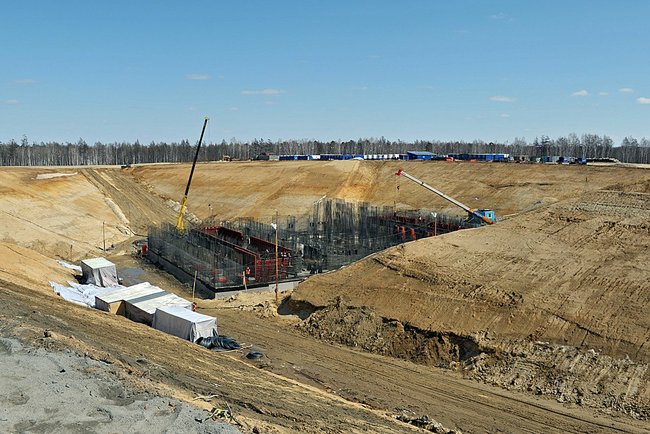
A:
(483, 215)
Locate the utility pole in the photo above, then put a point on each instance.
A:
(276, 258)
(435, 224)
(104, 234)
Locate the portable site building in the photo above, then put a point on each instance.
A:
(421, 155)
(99, 271)
(138, 302)
(184, 323)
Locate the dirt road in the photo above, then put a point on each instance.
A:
(395, 385)
(167, 366)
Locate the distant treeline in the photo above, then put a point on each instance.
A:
(24, 153)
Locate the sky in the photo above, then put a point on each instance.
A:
(323, 69)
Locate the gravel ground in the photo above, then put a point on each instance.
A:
(51, 392)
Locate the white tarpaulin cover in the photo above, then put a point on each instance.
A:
(84, 295)
(139, 301)
(99, 271)
(182, 322)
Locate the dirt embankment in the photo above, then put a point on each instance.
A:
(572, 275)
(562, 372)
(66, 212)
(259, 189)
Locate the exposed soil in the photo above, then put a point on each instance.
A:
(549, 303)
(62, 392)
(363, 328)
(565, 373)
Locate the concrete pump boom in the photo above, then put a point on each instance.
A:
(180, 224)
(478, 213)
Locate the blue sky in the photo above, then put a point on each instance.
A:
(308, 69)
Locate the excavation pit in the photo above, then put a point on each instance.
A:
(244, 253)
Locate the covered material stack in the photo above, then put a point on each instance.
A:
(99, 271)
(184, 323)
(139, 302)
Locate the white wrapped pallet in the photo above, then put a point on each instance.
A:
(184, 323)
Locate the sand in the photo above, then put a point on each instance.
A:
(61, 392)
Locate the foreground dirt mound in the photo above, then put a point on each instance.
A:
(572, 274)
(51, 391)
(363, 328)
(565, 373)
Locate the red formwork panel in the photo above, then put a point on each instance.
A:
(257, 255)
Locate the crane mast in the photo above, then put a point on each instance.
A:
(180, 224)
(473, 213)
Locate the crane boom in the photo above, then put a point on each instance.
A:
(180, 224)
(472, 212)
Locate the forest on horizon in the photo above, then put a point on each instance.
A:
(13, 153)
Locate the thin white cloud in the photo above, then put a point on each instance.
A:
(234, 109)
(603, 93)
(643, 100)
(11, 101)
(505, 115)
(501, 98)
(266, 92)
(626, 90)
(24, 81)
(197, 77)
(582, 92)
(362, 88)
(501, 17)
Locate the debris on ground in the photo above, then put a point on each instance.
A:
(426, 423)
(254, 355)
(219, 343)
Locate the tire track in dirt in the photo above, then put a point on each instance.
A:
(390, 384)
(163, 364)
(140, 206)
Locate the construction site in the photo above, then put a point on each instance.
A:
(244, 252)
(381, 296)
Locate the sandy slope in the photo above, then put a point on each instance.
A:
(571, 268)
(29, 268)
(576, 272)
(260, 188)
(62, 216)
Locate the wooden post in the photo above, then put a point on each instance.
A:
(104, 234)
(194, 286)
